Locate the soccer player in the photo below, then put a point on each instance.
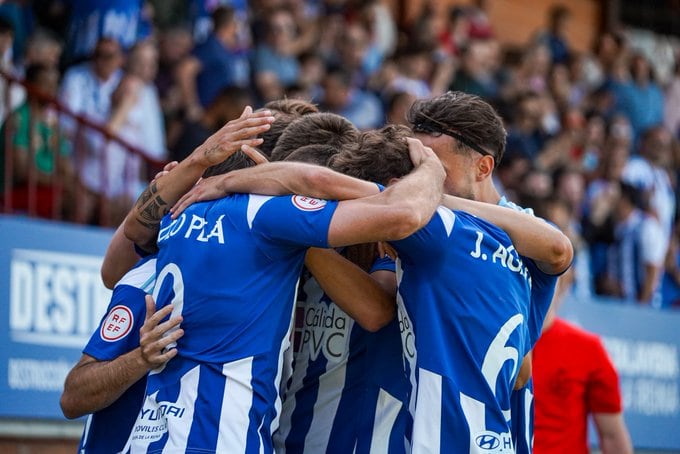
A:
(479, 350)
(109, 380)
(468, 137)
(221, 391)
(347, 391)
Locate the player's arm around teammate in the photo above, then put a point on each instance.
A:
(141, 226)
(368, 298)
(278, 178)
(121, 254)
(93, 384)
(531, 236)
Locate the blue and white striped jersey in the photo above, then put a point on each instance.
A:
(118, 333)
(543, 286)
(542, 290)
(462, 293)
(230, 268)
(348, 391)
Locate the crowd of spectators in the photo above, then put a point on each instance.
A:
(592, 136)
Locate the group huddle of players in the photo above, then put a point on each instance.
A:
(381, 300)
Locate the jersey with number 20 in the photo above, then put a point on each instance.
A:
(230, 269)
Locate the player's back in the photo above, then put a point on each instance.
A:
(237, 286)
(229, 267)
(464, 289)
(347, 391)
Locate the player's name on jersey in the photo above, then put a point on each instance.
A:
(197, 229)
(504, 256)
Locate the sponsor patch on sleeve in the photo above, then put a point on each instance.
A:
(305, 203)
(117, 324)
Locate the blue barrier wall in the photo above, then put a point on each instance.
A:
(51, 299)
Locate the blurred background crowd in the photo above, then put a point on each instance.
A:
(592, 135)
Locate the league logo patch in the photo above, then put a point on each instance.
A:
(117, 324)
(305, 203)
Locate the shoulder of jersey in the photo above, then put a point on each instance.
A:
(141, 276)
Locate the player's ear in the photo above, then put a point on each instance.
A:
(392, 181)
(484, 167)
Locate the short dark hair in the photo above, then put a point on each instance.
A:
(285, 112)
(318, 128)
(222, 16)
(238, 160)
(317, 153)
(379, 155)
(292, 106)
(272, 135)
(468, 115)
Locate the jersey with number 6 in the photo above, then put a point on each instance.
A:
(542, 290)
(463, 293)
(230, 268)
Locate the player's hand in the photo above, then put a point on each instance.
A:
(524, 374)
(166, 169)
(210, 188)
(418, 152)
(384, 249)
(254, 154)
(232, 136)
(155, 337)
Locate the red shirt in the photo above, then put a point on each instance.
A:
(573, 377)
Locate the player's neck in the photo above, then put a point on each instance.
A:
(487, 192)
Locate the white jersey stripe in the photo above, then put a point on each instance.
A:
(319, 430)
(86, 432)
(236, 403)
(179, 433)
(528, 398)
(448, 218)
(386, 412)
(475, 414)
(285, 364)
(255, 202)
(141, 276)
(427, 425)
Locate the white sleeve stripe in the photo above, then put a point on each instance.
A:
(255, 202)
(139, 277)
(448, 218)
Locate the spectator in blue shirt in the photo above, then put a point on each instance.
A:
(216, 63)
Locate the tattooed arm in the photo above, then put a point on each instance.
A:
(141, 225)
